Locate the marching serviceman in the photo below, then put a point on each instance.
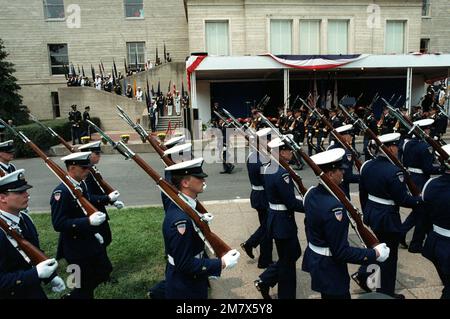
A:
(281, 226)
(418, 158)
(80, 242)
(188, 268)
(258, 201)
(6, 156)
(326, 224)
(18, 278)
(348, 161)
(382, 190)
(436, 194)
(97, 195)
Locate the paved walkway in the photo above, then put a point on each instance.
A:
(235, 221)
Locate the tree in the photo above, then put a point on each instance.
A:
(11, 107)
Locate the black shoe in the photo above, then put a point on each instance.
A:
(230, 169)
(415, 249)
(248, 250)
(362, 282)
(262, 288)
(264, 266)
(223, 172)
(398, 296)
(403, 243)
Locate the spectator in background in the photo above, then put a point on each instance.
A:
(98, 82)
(86, 117)
(139, 94)
(129, 92)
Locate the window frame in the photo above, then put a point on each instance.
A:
(426, 4)
(405, 35)
(319, 21)
(51, 66)
(269, 44)
(125, 5)
(349, 26)
(132, 61)
(45, 5)
(227, 21)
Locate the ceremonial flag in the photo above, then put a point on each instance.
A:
(93, 73)
(103, 67)
(126, 67)
(153, 91)
(82, 70)
(134, 87)
(159, 88)
(101, 72)
(165, 53)
(78, 66)
(156, 58)
(335, 94)
(115, 68)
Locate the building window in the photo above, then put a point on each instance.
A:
(337, 36)
(281, 36)
(55, 104)
(217, 37)
(310, 37)
(134, 8)
(54, 9)
(136, 55)
(59, 58)
(426, 7)
(395, 37)
(424, 45)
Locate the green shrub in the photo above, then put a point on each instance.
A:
(41, 137)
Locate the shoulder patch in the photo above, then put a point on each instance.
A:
(57, 195)
(338, 213)
(286, 177)
(400, 176)
(181, 226)
(430, 149)
(349, 157)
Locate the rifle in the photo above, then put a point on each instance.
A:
(266, 152)
(35, 255)
(260, 103)
(94, 171)
(159, 148)
(412, 187)
(418, 131)
(398, 100)
(217, 245)
(336, 134)
(87, 207)
(364, 234)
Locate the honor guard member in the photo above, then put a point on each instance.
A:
(436, 194)
(80, 242)
(258, 201)
(382, 190)
(18, 278)
(418, 158)
(97, 195)
(348, 161)
(326, 224)
(371, 122)
(6, 156)
(188, 267)
(177, 153)
(281, 226)
(75, 121)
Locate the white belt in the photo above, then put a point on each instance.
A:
(257, 188)
(415, 170)
(277, 206)
(441, 231)
(172, 262)
(381, 200)
(324, 251)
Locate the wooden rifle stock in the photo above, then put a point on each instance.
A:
(337, 135)
(35, 254)
(2, 173)
(219, 246)
(415, 191)
(369, 239)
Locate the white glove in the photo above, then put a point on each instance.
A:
(113, 196)
(435, 138)
(57, 284)
(119, 204)
(46, 268)
(309, 134)
(99, 238)
(97, 218)
(230, 259)
(383, 252)
(207, 217)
